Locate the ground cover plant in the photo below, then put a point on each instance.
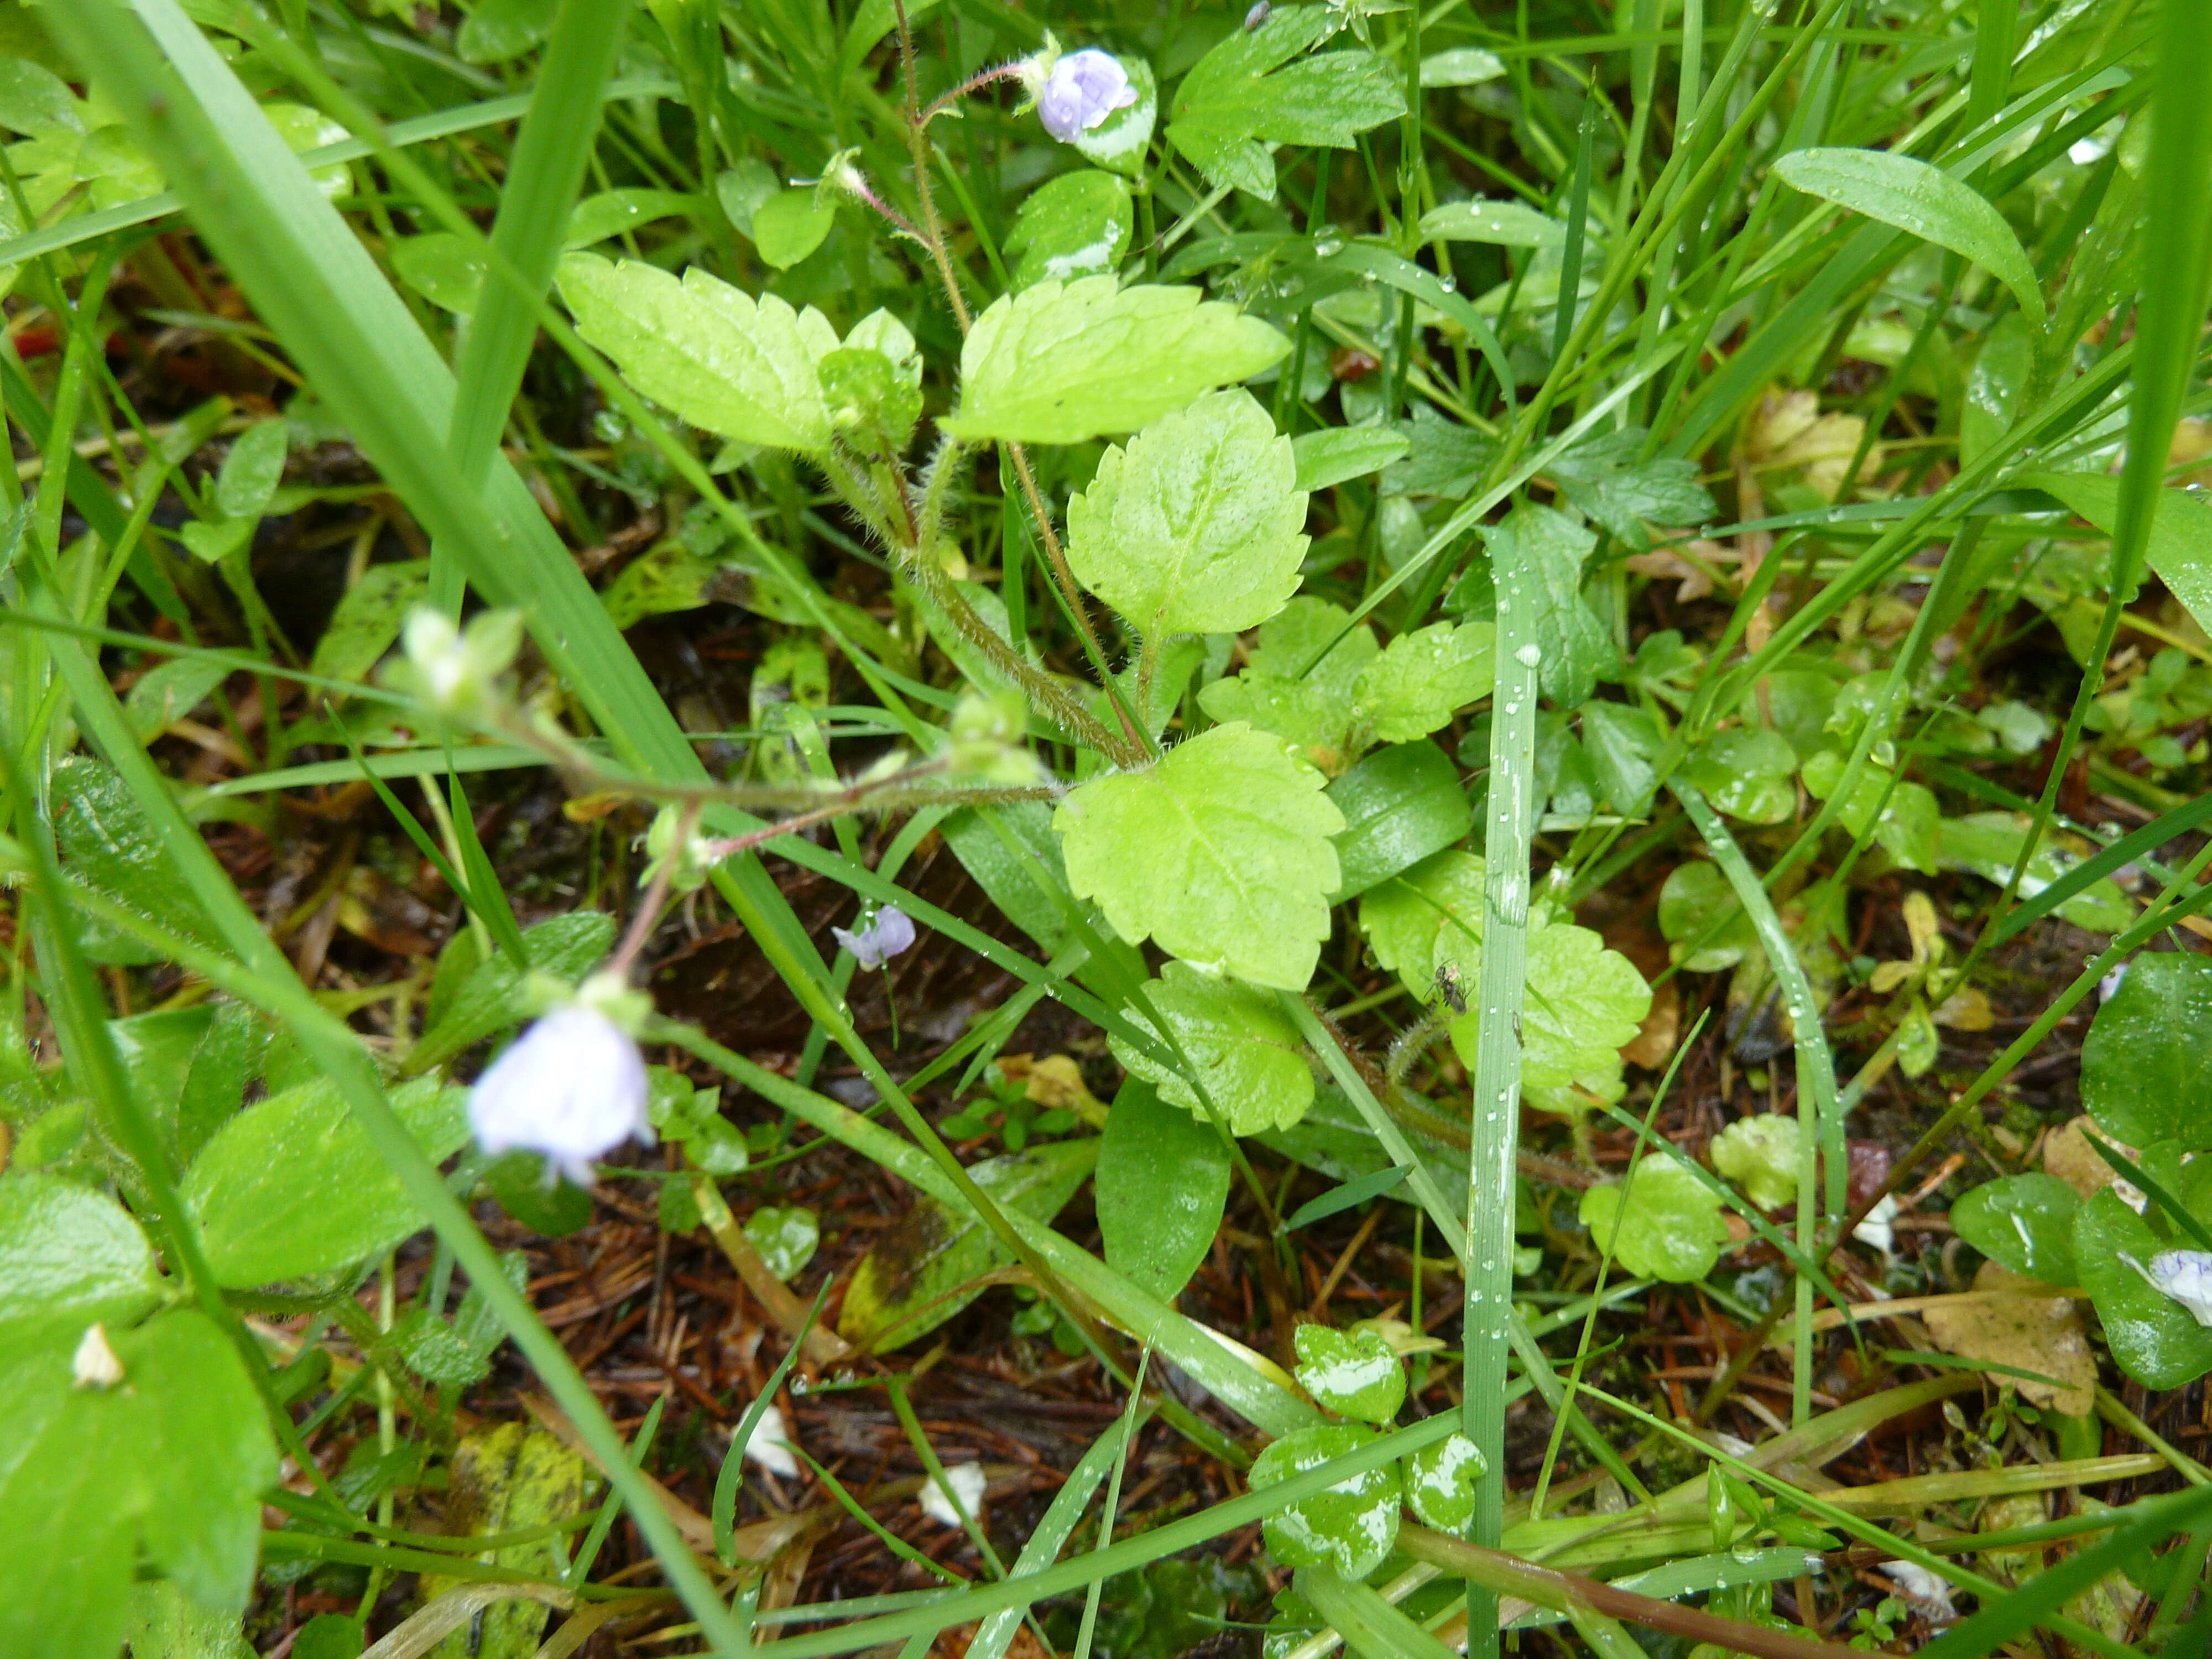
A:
(1125, 827)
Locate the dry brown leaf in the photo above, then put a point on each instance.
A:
(2034, 1332)
(1655, 1038)
(2067, 1155)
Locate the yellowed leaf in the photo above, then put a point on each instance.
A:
(2035, 1332)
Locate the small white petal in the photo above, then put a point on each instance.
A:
(1922, 1586)
(572, 1087)
(967, 1481)
(1876, 1230)
(2109, 986)
(94, 1364)
(770, 1446)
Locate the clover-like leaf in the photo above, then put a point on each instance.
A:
(2146, 1073)
(2024, 1221)
(1430, 913)
(1907, 825)
(1220, 851)
(1761, 1155)
(785, 1237)
(1353, 1373)
(1583, 1002)
(722, 360)
(1248, 1058)
(1350, 1526)
(1063, 361)
(1195, 527)
(1441, 1479)
(1664, 1224)
(1425, 678)
(1538, 553)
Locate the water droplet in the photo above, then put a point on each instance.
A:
(1450, 284)
(1530, 655)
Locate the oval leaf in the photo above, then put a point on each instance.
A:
(1162, 1182)
(2024, 1221)
(1353, 1373)
(1911, 194)
(1352, 1525)
(1666, 1223)
(69, 1254)
(2146, 1067)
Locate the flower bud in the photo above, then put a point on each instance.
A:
(1080, 90)
(455, 670)
(688, 864)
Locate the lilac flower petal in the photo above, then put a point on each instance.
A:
(889, 934)
(1083, 89)
(572, 1087)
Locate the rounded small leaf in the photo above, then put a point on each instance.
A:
(2146, 1067)
(1664, 1224)
(1350, 1526)
(1353, 1373)
(2156, 1340)
(1077, 225)
(1440, 1483)
(785, 1237)
(790, 225)
(1760, 1154)
(2024, 1221)
(1161, 1184)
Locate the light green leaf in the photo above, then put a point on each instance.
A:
(252, 470)
(1247, 95)
(292, 1187)
(1399, 805)
(1746, 773)
(1423, 678)
(741, 367)
(1910, 825)
(923, 1270)
(1077, 225)
(1310, 711)
(500, 30)
(2180, 546)
(1460, 66)
(2024, 1222)
(2001, 369)
(2155, 1340)
(1431, 914)
(1665, 1224)
(69, 1255)
(1063, 361)
(2146, 1065)
(1440, 1483)
(1220, 851)
(1161, 1184)
(1583, 1002)
(215, 540)
(1119, 142)
(1548, 549)
(169, 692)
(1917, 197)
(492, 998)
(786, 1237)
(1502, 223)
(1350, 1526)
(1195, 527)
(367, 619)
(443, 268)
(1332, 454)
(790, 225)
(1989, 844)
(1353, 1373)
(33, 100)
(611, 212)
(1248, 1058)
(1760, 1154)
(107, 842)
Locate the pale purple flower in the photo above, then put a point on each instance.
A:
(2183, 1276)
(886, 936)
(571, 1087)
(1083, 89)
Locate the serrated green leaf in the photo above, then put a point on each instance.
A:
(367, 619)
(1353, 1373)
(1311, 711)
(492, 997)
(2024, 1222)
(719, 358)
(922, 1272)
(1622, 741)
(1440, 1483)
(2146, 1066)
(1917, 198)
(1063, 361)
(1161, 1184)
(1332, 454)
(106, 840)
(1423, 678)
(1548, 549)
(1607, 479)
(1760, 1154)
(1247, 94)
(1077, 225)
(1431, 914)
(1666, 1224)
(293, 1186)
(1350, 1526)
(1250, 1058)
(1220, 851)
(1399, 805)
(1196, 527)
(1583, 1002)
(2154, 1338)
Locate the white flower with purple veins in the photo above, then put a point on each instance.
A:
(2183, 1276)
(1081, 90)
(890, 933)
(572, 1087)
